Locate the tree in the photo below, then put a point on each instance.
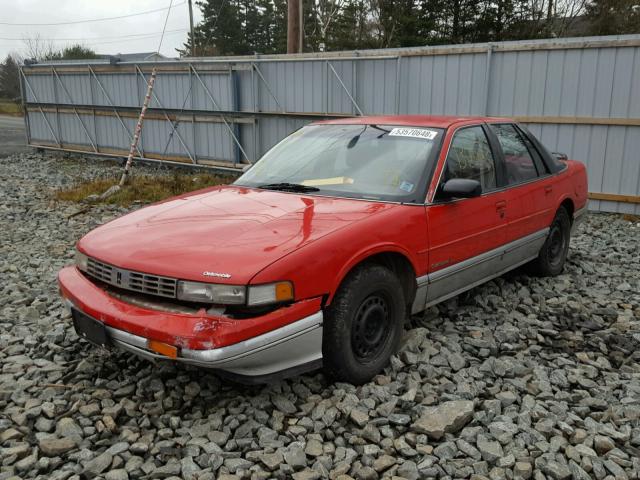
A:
(39, 49)
(221, 30)
(238, 27)
(613, 17)
(10, 78)
(77, 52)
(42, 50)
(352, 29)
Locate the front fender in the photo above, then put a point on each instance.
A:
(317, 269)
(368, 253)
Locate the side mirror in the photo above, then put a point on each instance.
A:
(460, 188)
(560, 156)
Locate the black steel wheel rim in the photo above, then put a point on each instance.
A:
(371, 327)
(556, 244)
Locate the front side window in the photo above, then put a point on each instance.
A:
(519, 164)
(470, 157)
(377, 162)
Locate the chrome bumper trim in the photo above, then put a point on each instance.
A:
(285, 348)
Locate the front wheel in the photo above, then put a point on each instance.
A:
(553, 253)
(363, 324)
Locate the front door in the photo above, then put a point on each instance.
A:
(465, 234)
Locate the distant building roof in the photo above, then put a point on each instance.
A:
(135, 57)
(102, 58)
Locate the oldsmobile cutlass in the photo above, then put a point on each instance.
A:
(315, 256)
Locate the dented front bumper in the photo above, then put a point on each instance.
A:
(285, 341)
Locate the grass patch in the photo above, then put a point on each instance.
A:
(141, 188)
(7, 107)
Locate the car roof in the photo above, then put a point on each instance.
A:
(438, 121)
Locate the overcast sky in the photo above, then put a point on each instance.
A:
(111, 37)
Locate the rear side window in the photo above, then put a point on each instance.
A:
(470, 157)
(549, 162)
(519, 165)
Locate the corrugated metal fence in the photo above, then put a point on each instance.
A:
(580, 96)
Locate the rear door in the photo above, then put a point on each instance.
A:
(529, 187)
(464, 233)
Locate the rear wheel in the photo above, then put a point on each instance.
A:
(363, 324)
(553, 253)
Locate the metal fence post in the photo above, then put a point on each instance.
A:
(398, 85)
(254, 98)
(93, 110)
(487, 80)
(55, 98)
(23, 100)
(235, 102)
(193, 117)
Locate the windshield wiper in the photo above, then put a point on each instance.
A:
(289, 187)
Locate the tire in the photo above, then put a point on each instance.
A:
(553, 253)
(363, 325)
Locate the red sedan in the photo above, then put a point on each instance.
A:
(315, 256)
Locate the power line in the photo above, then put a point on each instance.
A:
(166, 19)
(93, 19)
(110, 41)
(132, 39)
(83, 39)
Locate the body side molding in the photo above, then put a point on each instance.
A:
(450, 281)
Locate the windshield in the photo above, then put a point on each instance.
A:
(378, 162)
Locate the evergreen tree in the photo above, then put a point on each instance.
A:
(10, 78)
(240, 27)
(221, 31)
(77, 52)
(614, 17)
(352, 28)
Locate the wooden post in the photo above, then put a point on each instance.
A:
(293, 26)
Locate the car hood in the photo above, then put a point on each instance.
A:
(230, 232)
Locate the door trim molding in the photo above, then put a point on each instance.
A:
(499, 260)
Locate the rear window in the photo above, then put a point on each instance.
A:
(519, 164)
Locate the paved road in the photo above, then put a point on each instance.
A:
(12, 136)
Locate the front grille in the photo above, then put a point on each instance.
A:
(129, 280)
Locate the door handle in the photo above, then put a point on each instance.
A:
(548, 189)
(501, 206)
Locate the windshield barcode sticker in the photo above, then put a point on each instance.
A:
(413, 133)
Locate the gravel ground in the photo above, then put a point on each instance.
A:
(520, 378)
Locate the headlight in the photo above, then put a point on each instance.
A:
(270, 293)
(81, 260)
(211, 293)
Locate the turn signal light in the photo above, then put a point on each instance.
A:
(284, 291)
(163, 349)
(270, 293)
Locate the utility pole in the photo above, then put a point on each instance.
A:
(294, 26)
(301, 26)
(193, 38)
